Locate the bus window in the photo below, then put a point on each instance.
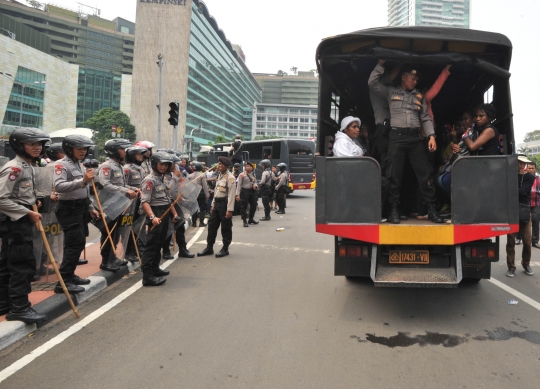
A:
(267, 152)
(301, 147)
(276, 148)
(254, 150)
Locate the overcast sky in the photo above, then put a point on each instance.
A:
(279, 34)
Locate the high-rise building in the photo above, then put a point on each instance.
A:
(286, 121)
(201, 71)
(301, 89)
(103, 49)
(443, 13)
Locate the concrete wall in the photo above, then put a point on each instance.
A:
(60, 102)
(125, 94)
(161, 29)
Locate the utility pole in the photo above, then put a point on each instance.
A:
(160, 65)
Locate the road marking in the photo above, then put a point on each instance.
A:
(18, 365)
(514, 292)
(503, 263)
(269, 246)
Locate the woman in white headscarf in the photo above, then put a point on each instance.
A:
(346, 143)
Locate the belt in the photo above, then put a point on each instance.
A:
(407, 130)
(219, 199)
(26, 206)
(77, 202)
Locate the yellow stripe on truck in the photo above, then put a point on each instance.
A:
(416, 235)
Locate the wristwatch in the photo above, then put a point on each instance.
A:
(152, 217)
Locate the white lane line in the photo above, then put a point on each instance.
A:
(285, 248)
(18, 365)
(517, 294)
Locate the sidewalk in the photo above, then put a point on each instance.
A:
(45, 301)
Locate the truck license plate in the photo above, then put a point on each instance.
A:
(415, 257)
(301, 187)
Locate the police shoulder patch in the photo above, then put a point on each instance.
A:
(105, 171)
(148, 186)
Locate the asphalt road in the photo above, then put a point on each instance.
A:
(272, 315)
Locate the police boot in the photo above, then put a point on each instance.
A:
(160, 272)
(167, 254)
(393, 215)
(151, 280)
(202, 223)
(433, 215)
(70, 286)
(266, 217)
(26, 315)
(223, 252)
(209, 250)
(82, 262)
(193, 222)
(245, 223)
(184, 253)
(131, 257)
(105, 266)
(253, 221)
(280, 211)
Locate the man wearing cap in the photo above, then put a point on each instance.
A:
(221, 210)
(525, 183)
(245, 194)
(408, 115)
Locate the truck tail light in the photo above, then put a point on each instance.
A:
(353, 251)
(480, 252)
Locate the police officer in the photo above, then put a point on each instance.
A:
(134, 173)
(200, 178)
(17, 221)
(235, 153)
(267, 185)
(408, 114)
(74, 208)
(155, 200)
(222, 210)
(281, 187)
(55, 152)
(171, 178)
(245, 194)
(146, 163)
(113, 179)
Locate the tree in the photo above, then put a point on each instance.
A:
(522, 150)
(102, 123)
(282, 73)
(294, 69)
(531, 136)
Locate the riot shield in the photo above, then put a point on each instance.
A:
(122, 233)
(141, 230)
(113, 203)
(188, 202)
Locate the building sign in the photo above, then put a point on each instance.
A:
(173, 2)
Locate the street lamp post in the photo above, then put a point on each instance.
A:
(199, 129)
(160, 65)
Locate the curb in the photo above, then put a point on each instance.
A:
(56, 305)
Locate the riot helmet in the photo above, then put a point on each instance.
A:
(198, 166)
(112, 146)
(148, 146)
(265, 163)
(160, 157)
(132, 151)
(281, 166)
(52, 151)
(76, 141)
(28, 135)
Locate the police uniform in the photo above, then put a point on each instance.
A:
(17, 260)
(155, 193)
(72, 212)
(204, 194)
(266, 183)
(281, 186)
(224, 199)
(246, 191)
(134, 176)
(408, 115)
(113, 179)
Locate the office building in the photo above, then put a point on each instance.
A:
(47, 87)
(102, 49)
(201, 70)
(531, 148)
(443, 13)
(300, 89)
(286, 121)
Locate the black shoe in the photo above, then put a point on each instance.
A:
(132, 258)
(202, 224)
(222, 253)
(82, 262)
(246, 223)
(71, 288)
(185, 254)
(113, 268)
(160, 273)
(535, 244)
(265, 218)
(518, 241)
(194, 224)
(120, 262)
(207, 251)
(80, 281)
(393, 215)
(168, 256)
(433, 215)
(528, 270)
(253, 221)
(28, 316)
(36, 277)
(280, 212)
(153, 281)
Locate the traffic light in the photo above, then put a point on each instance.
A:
(173, 113)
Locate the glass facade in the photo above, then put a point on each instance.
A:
(445, 13)
(28, 86)
(221, 94)
(286, 122)
(97, 89)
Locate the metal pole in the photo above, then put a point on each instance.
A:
(22, 98)
(160, 64)
(190, 153)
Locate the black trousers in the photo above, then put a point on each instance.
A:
(217, 218)
(248, 197)
(266, 197)
(105, 243)
(200, 214)
(74, 222)
(280, 198)
(152, 249)
(17, 263)
(410, 147)
(380, 146)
